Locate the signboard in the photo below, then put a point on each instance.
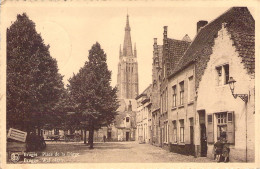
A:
(17, 135)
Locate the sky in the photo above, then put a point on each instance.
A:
(72, 28)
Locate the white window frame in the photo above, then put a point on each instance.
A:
(181, 84)
(174, 96)
(182, 131)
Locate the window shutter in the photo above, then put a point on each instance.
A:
(210, 136)
(231, 127)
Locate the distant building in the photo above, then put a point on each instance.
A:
(124, 127)
(144, 115)
(127, 77)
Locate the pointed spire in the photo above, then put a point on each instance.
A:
(127, 27)
(127, 48)
(135, 50)
(120, 51)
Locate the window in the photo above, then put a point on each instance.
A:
(166, 132)
(191, 131)
(166, 99)
(181, 93)
(219, 75)
(226, 70)
(181, 131)
(161, 103)
(127, 119)
(174, 94)
(222, 124)
(164, 71)
(190, 89)
(222, 74)
(174, 131)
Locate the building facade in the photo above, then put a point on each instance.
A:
(172, 51)
(155, 99)
(222, 49)
(232, 56)
(144, 115)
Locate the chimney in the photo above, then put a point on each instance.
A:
(165, 32)
(201, 24)
(155, 41)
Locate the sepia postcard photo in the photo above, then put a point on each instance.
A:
(129, 84)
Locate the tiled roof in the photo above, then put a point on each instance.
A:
(176, 50)
(145, 92)
(239, 23)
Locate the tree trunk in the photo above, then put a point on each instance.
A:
(85, 136)
(39, 131)
(91, 137)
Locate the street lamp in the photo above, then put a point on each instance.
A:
(231, 83)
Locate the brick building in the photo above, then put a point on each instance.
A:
(156, 83)
(172, 51)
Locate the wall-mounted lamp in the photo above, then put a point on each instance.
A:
(231, 83)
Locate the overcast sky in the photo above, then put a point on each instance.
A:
(71, 30)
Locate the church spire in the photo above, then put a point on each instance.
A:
(127, 48)
(120, 51)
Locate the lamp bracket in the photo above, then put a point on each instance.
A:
(244, 97)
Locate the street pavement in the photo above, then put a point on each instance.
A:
(109, 152)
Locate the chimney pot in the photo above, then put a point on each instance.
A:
(155, 40)
(201, 24)
(165, 28)
(165, 32)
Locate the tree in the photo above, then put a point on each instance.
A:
(92, 94)
(34, 85)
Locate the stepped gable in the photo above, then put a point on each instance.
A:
(241, 26)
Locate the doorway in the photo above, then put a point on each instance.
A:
(109, 135)
(203, 133)
(127, 136)
(203, 140)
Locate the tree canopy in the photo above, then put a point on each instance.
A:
(34, 85)
(91, 91)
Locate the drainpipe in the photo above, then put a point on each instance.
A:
(246, 129)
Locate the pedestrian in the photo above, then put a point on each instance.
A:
(218, 146)
(225, 151)
(104, 138)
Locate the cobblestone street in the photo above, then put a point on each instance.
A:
(110, 152)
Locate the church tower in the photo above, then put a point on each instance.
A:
(127, 77)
